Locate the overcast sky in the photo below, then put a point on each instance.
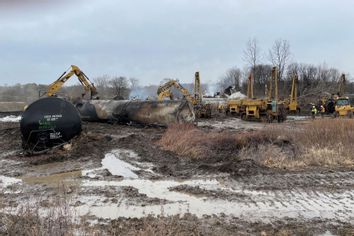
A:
(155, 39)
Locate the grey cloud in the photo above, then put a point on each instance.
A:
(151, 40)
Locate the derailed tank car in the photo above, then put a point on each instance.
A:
(49, 122)
(143, 112)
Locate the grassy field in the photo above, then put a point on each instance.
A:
(323, 142)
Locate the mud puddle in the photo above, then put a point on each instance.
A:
(240, 201)
(53, 180)
(125, 186)
(253, 205)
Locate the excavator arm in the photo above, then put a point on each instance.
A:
(84, 80)
(165, 91)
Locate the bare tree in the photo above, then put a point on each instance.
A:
(234, 77)
(102, 84)
(251, 54)
(120, 87)
(279, 55)
(262, 75)
(101, 81)
(134, 83)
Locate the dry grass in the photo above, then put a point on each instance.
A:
(190, 142)
(31, 219)
(323, 142)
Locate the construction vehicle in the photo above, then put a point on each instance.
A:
(235, 105)
(342, 104)
(291, 104)
(84, 80)
(201, 110)
(165, 91)
(267, 109)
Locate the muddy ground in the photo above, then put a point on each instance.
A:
(117, 179)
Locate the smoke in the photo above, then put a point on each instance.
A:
(212, 89)
(142, 93)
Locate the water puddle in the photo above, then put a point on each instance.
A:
(254, 205)
(105, 197)
(10, 118)
(53, 180)
(257, 205)
(115, 165)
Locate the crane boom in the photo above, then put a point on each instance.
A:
(273, 80)
(250, 85)
(197, 88)
(342, 83)
(293, 94)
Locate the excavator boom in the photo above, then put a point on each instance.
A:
(84, 80)
(164, 90)
(201, 110)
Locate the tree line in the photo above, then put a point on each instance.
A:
(313, 79)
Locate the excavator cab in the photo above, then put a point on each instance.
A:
(343, 107)
(342, 104)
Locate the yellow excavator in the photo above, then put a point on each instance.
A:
(165, 91)
(201, 110)
(234, 106)
(84, 80)
(342, 104)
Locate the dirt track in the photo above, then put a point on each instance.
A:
(137, 178)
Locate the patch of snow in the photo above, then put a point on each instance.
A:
(8, 181)
(237, 95)
(10, 119)
(115, 165)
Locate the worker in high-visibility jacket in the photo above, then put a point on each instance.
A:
(313, 111)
